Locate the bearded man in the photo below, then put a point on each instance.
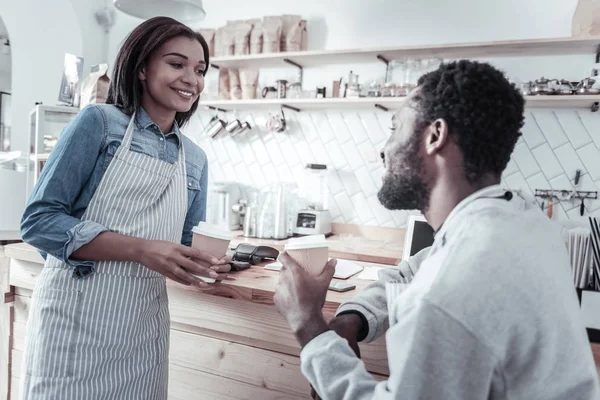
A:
(491, 312)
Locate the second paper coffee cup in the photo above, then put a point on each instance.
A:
(311, 252)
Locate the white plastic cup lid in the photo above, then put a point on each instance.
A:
(306, 242)
(212, 230)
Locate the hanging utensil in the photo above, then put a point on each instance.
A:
(550, 205)
(596, 249)
(215, 126)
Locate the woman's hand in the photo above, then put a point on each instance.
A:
(179, 262)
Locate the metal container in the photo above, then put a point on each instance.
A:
(216, 127)
(272, 215)
(281, 89)
(280, 228)
(233, 126)
(224, 197)
(543, 86)
(586, 86)
(249, 222)
(269, 92)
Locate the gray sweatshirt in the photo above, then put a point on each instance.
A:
(371, 303)
(491, 314)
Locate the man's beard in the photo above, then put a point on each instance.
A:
(405, 189)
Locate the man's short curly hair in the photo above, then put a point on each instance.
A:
(483, 110)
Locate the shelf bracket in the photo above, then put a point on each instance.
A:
(300, 69)
(290, 107)
(387, 66)
(217, 109)
(381, 107)
(595, 106)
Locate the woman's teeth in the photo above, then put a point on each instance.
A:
(188, 94)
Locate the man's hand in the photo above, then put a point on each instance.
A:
(299, 298)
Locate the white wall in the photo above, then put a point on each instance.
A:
(68, 26)
(340, 24)
(348, 140)
(5, 81)
(41, 32)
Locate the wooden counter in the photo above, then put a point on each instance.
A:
(226, 343)
(351, 242)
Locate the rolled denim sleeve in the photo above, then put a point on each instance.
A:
(197, 208)
(48, 223)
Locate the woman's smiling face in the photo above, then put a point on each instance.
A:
(173, 78)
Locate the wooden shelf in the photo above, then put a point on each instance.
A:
(391, 103)
(531, 47)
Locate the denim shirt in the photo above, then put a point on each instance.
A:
(52, 219)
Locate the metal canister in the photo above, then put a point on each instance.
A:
(249, 222)
(216, 128)
(281, 88)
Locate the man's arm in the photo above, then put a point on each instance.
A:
(431, 356)
(370, 305)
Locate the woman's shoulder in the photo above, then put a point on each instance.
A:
(112, 114)
(108, 114)
(194, 155)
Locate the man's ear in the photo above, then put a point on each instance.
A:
(142, 74)
(436, 136)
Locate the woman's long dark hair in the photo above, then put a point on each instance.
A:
(125, 88)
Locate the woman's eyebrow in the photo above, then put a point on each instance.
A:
(183, 56)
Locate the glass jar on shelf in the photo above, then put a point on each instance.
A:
(294, 90)
(374, 89)
(388, 90)
(397, 72)
(413, 72)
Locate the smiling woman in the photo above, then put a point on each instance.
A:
(136, 189)
(151, 51)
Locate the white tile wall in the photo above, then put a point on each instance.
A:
(554, 145)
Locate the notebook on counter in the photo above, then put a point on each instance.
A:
(344, 269)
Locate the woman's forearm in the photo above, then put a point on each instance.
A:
(110, 246)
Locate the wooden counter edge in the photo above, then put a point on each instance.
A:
(255, 284)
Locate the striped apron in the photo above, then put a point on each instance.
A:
(106, 336)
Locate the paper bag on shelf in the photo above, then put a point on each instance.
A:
(224, 84)
(272, 28)
(94, 88)
(304, 45)
(586, 20)
(291, 33)
(249, 83)
(256, 39)
(209, 36)
(242, 38)
(235, 84)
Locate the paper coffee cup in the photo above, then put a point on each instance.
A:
(211, 239)
(311, 252)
